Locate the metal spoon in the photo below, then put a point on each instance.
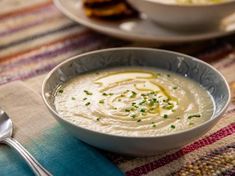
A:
(6, 129)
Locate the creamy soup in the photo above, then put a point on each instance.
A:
(188, 2)
(133, 101)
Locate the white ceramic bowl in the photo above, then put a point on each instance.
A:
(185, 17)
(195, 69)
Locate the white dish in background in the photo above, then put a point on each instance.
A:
(141, 29)
(185, 16)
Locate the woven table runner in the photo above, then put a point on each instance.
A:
(212, 154)
(35, 36)
(45, 139)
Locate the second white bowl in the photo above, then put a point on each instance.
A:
(185, 17)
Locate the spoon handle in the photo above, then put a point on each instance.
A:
(32, 162)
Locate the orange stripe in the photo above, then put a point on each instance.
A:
(25, 10)
(16, 55)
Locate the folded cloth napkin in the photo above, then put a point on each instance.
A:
(45, 139)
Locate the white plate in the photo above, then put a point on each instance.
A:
(141, 29)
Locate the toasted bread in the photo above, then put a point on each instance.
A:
(108, 9)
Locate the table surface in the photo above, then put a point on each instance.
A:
(35, 36)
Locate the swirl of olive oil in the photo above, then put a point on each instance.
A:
(134, 96)
(133, 102)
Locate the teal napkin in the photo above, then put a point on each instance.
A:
(57, 150)
(61, 154)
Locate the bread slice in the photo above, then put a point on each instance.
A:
(108, 9)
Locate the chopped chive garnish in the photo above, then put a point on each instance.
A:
(87, 92)
(177, 118)
(173, 126)
(98, 119)
(61, 91)
(101, 101)
(133, 116)
(139, 120)
(175, 87)
(168, 75)
(173, 110)
(151, 109)
(165, 116)
(191, 123)
(153, 101)
(142, 102)
(73, 98)
(132, 108)
(142, 110)
(119, 100)
(84, 99)
(154, 126)
(133, 94)
(169, 107)
(127, 110)
(88, 103)
(195, 115)
(105, 94)
(110, 94)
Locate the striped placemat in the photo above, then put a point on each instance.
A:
(35, 36)
(211, 155)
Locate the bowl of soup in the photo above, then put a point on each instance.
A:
(136, 101)
(186, 15)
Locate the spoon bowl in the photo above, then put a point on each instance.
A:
(6, 130)
(6, 127)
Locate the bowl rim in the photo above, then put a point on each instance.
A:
(217, 117)
(191, 5)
